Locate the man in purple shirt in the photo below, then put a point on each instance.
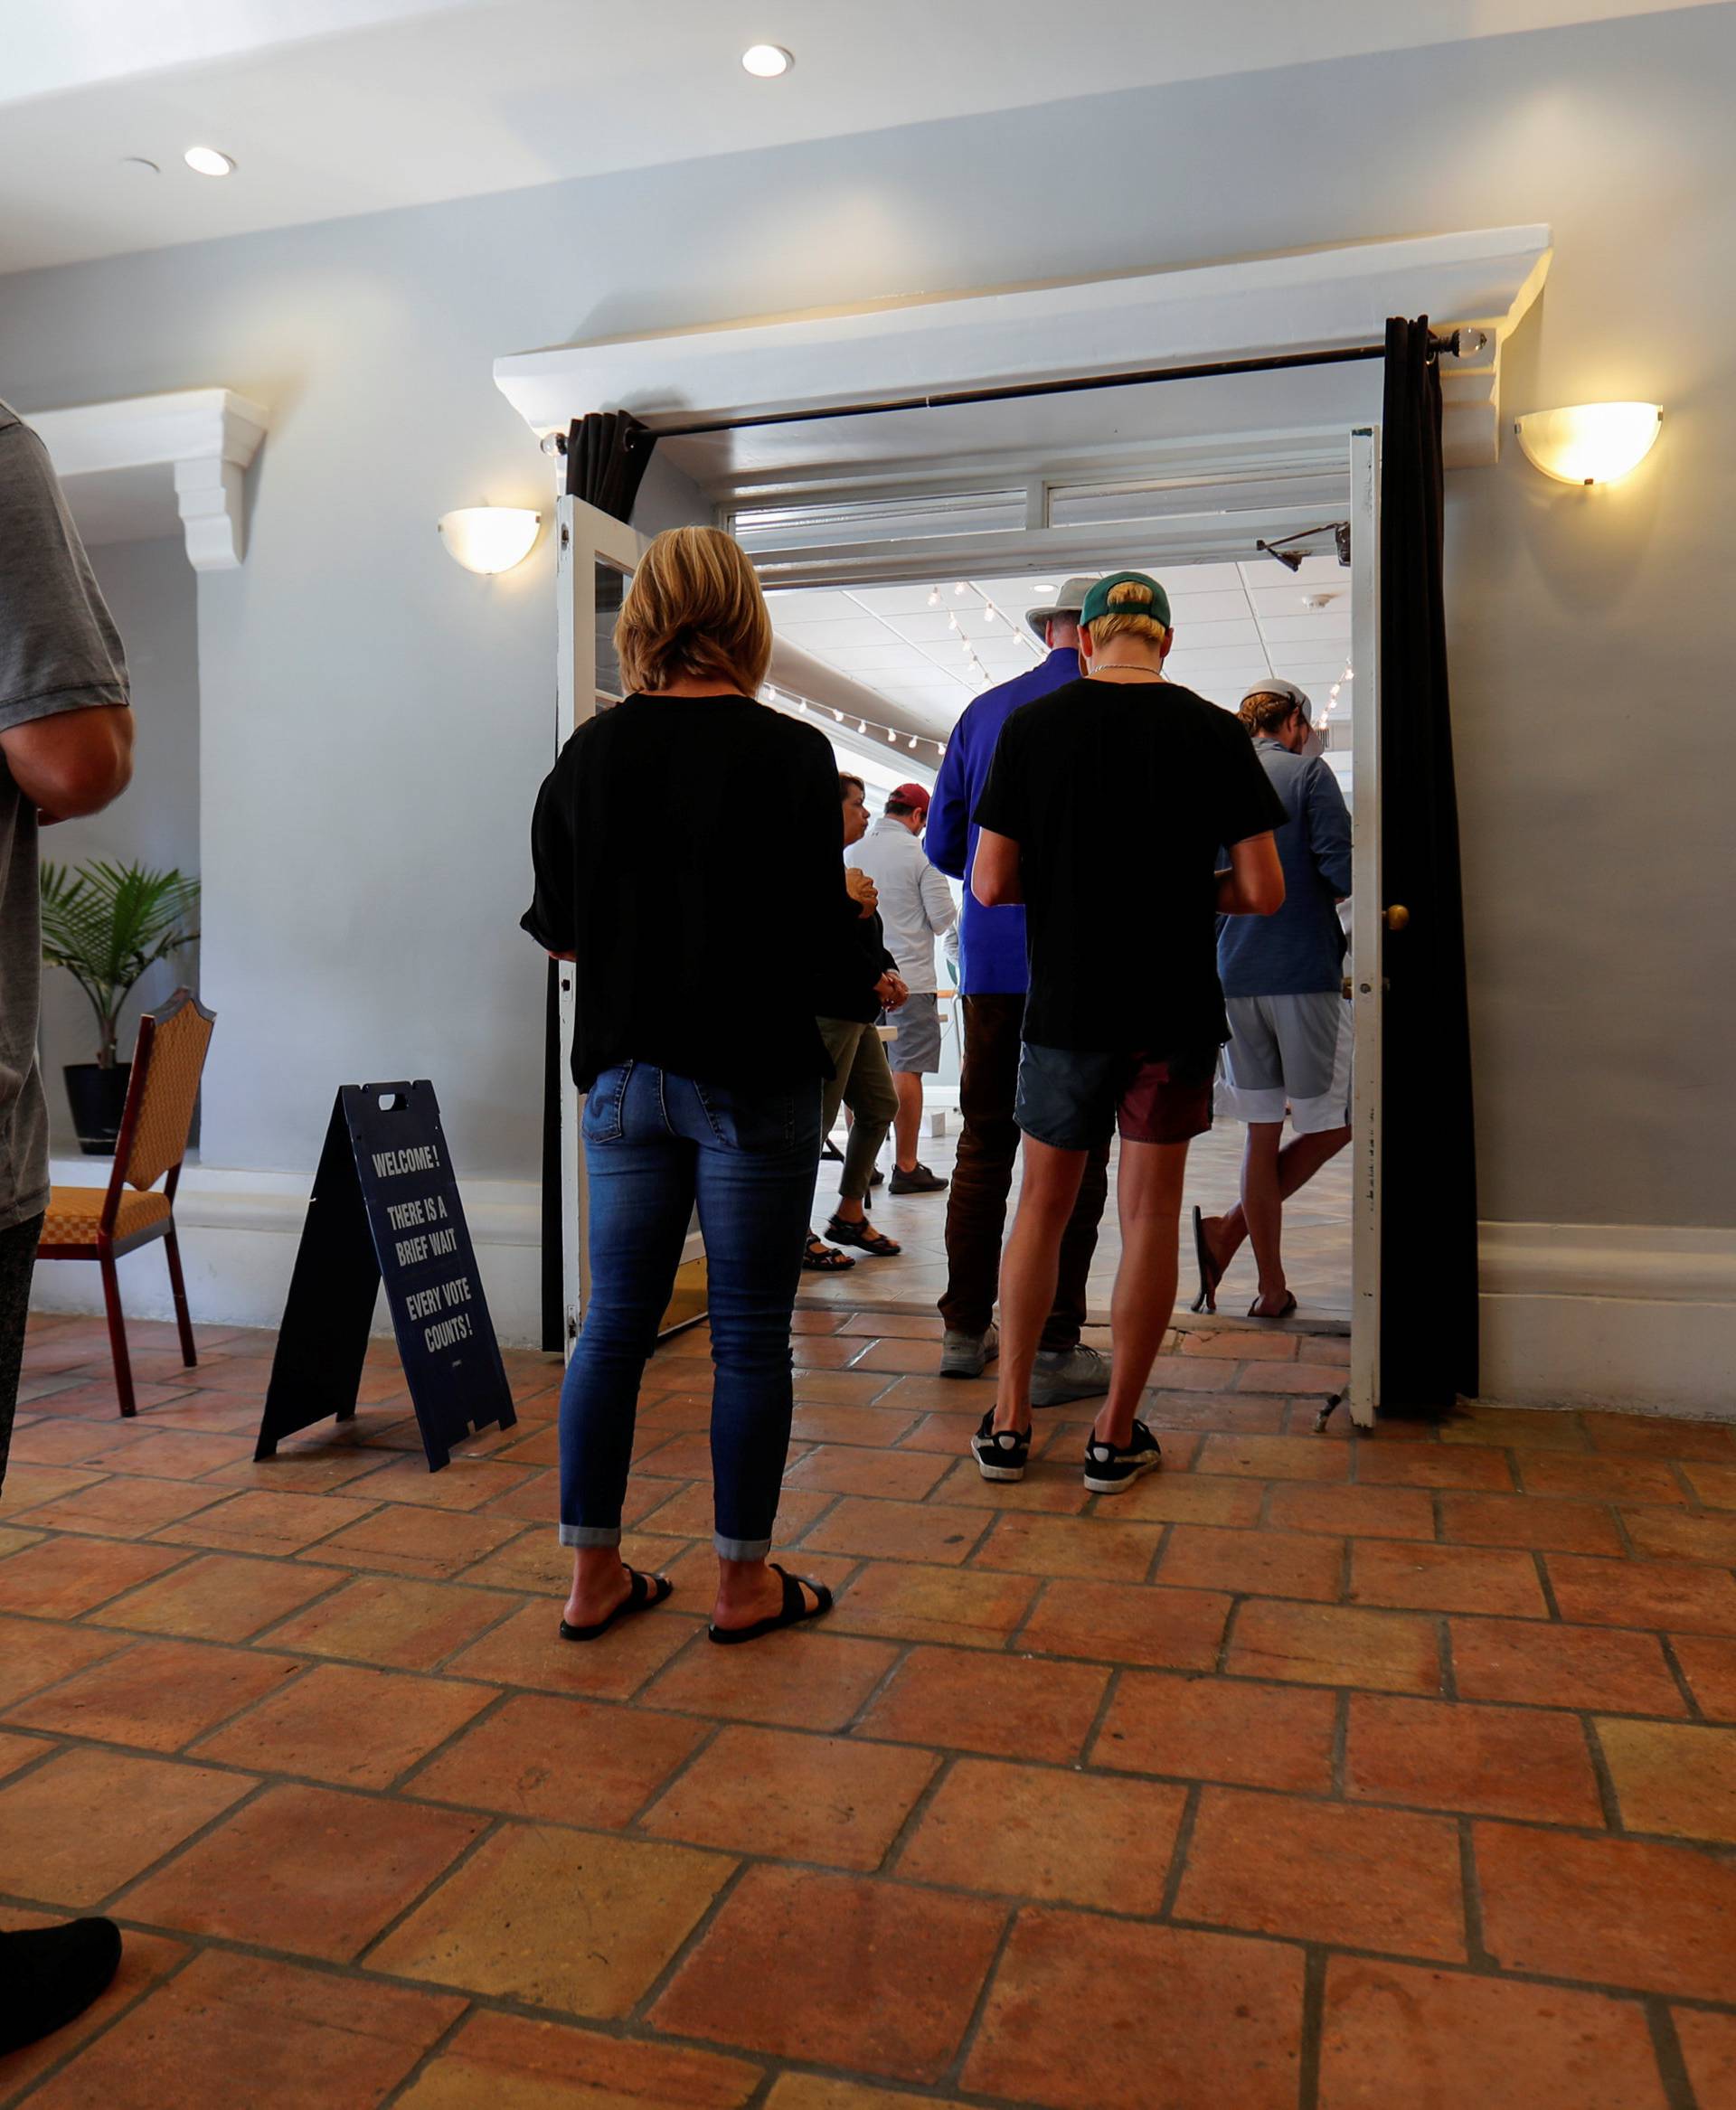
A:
(993, 980)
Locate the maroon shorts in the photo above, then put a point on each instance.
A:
(1071, 1099)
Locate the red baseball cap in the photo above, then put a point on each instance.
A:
(914, 795)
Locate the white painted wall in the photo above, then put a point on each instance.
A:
(374, 722)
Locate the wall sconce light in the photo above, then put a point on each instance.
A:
(489, 538)
(1589, 443)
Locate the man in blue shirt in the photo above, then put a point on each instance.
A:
(993, 977)
(1290, 1025)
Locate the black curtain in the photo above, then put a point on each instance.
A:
(606, 455)
(1428, 1307)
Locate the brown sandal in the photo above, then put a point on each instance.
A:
(819, 1258)
(865, 1235)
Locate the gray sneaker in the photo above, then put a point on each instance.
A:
(964, 1355)
(1068, 1373)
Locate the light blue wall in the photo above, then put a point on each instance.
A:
(374, 722)
(149, 589)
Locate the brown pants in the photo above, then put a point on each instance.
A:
(981, 1178)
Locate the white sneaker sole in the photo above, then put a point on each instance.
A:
(990, 1472)
(1127, 1480)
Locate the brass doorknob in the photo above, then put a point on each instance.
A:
(1396, 917)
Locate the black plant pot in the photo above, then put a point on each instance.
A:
(98, 1097)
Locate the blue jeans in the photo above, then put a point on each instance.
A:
(657, 1144)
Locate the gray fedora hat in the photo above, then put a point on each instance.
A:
(1069, 601)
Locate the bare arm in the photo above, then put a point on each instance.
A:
(995, 870)
(1254, 883)
(71, 762)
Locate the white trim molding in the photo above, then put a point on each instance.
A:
(1638, 1317)
(240, 1233)
(206, 437)
(1304, 300)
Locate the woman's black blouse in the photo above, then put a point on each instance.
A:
(688, 853)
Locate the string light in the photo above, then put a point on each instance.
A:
(862, 725)
(892, 738)
(913, 743)
(959, 588)
(839, 716)
(934, 596)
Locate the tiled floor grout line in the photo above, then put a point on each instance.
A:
(1667, 1641)
(1176, 1871)
(1476, 1948)
(492, 1824)
(436, 2049)
(1314, 2010)
(1666, 2046)
(1608, 1796)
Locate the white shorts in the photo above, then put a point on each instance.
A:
(1288, 1051)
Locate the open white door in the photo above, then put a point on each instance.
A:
(1367, 925)
(595, 557)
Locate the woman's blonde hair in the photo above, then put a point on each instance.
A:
(694, 607)
(1127, 617)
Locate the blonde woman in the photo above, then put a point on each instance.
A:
(702, 1073)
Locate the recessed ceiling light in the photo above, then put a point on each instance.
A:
(208, 161)
(766, 62)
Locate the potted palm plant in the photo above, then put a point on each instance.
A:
(107, 925)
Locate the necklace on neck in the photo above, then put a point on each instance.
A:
(1128, 666)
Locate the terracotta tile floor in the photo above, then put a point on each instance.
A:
(1322, 1773)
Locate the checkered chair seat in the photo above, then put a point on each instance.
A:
(74, 1214)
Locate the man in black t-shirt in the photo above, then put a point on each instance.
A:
(1103, 813)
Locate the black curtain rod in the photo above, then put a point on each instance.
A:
(1275, 362)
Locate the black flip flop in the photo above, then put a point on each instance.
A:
(1283, 1311)
(1210, 1274)
(795, 1611)
(643, 1591)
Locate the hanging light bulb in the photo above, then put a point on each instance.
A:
(988, 611)
(952, 623)
(862, 725)
(940, 749)
(959, 588)
(839, 716)
(892, 738)
(934, 596)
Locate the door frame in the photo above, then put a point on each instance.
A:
(818, 565)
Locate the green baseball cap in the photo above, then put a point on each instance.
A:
(1096, 602)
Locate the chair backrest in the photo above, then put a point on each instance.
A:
(167, 1064)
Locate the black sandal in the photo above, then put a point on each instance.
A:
(823, 1259)
(1283, 1311)
(1210, 1274)
(865, 1235)
(643, 1591)
(795, 1610)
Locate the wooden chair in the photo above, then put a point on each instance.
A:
(95, 1223)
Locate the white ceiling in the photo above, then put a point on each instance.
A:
(1236, 625)
(332, 107)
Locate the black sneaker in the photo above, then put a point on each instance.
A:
(1001, 1454)
(50, 1975)
(918, 1180)
(1109, 1467)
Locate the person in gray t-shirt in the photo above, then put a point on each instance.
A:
(66, 746)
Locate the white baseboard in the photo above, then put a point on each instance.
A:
(1635, 1316)
(240, 1231)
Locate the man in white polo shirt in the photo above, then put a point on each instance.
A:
(916, 907)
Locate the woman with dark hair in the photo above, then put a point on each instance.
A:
(645, 877)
